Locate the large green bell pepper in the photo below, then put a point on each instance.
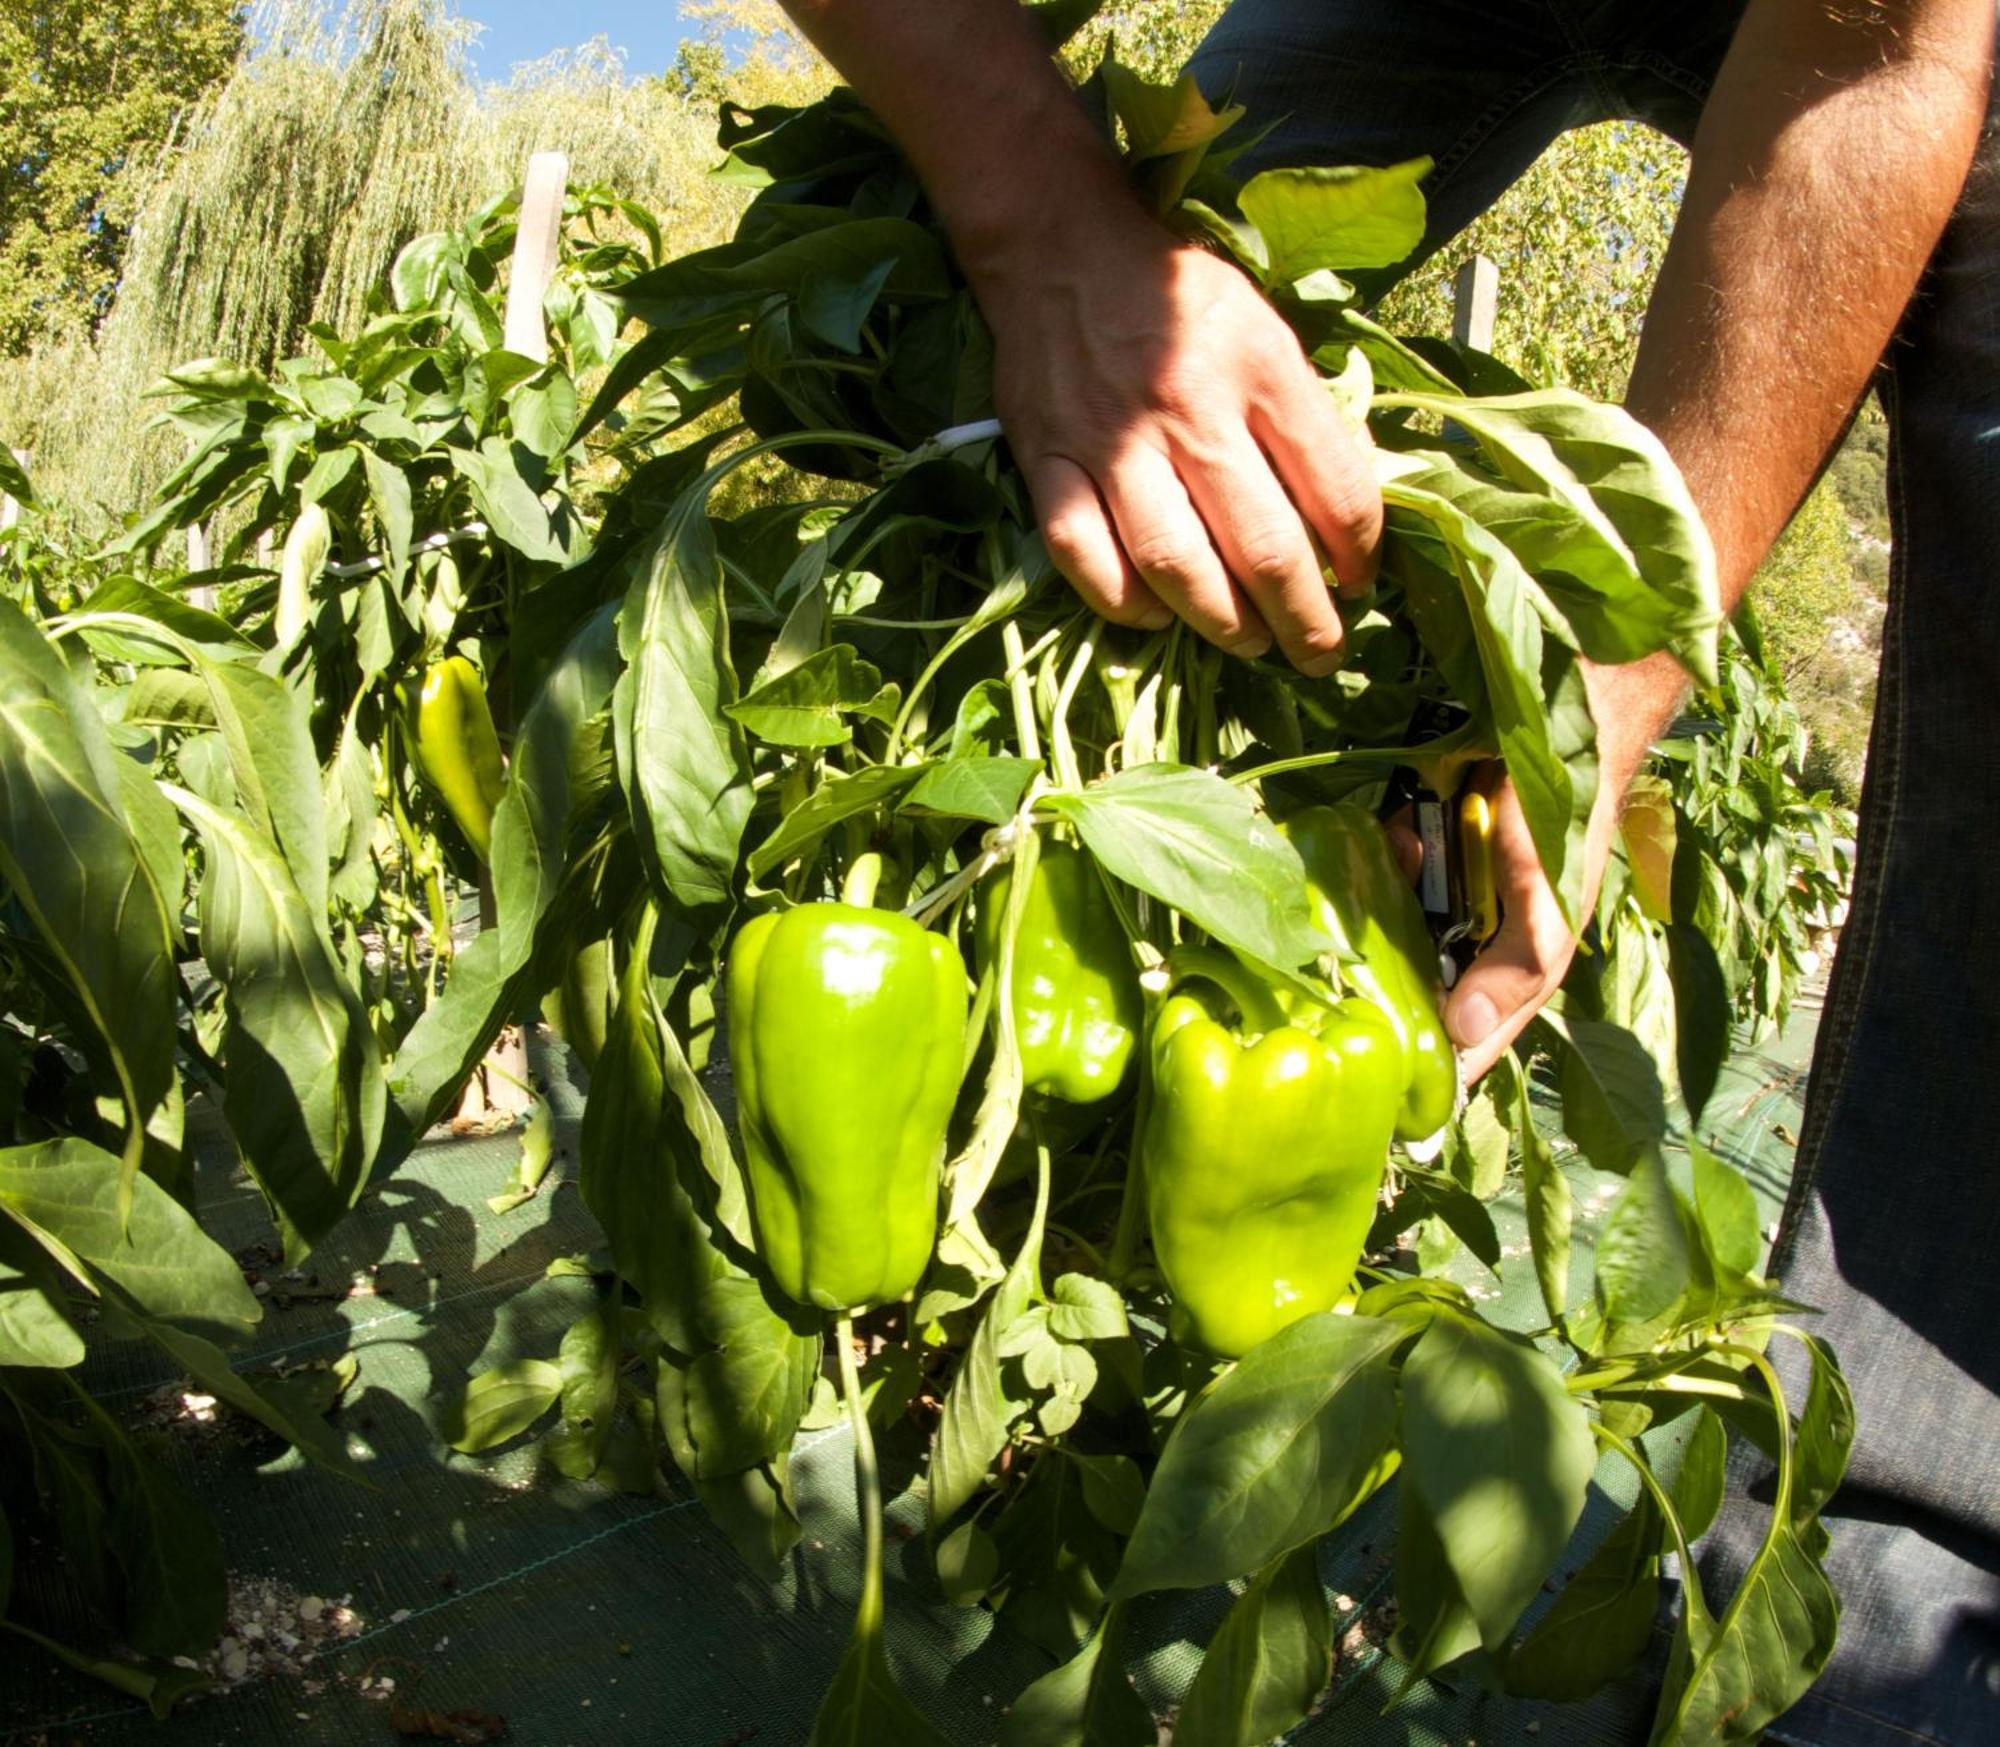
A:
(1264, 1150)
(847, 1037)
(456, 751)
(1360, 897)
(1077, 1006)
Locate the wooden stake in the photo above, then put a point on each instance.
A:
(1475, 296)
(535, 248)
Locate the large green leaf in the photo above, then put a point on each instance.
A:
(1278, 1451)
(1268, 1662)
(35, 1329)
(1339, 218)
(65, 1194)
(305, 1092)
(1086, 1702)
(1200, 845)
(808, 704)
(1643, 1262)
(501, 1403)
(263, 723)
(70, 860)
(1617, 478)
(1500, 1456)
(683, 762)
(1602, 1621)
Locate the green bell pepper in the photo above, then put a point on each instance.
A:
(1360, 897)
(456, 751)
(1077, 1006)
(847, 1037)
(1264, 1149)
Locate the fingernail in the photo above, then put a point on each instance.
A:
(1319, 666)
(1155, 619)
(1251, 649)
(1472, 1020)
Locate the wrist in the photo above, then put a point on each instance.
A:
(1633, 704)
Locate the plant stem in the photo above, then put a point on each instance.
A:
(867, 1482)
(1068, 771)
(1022, 689)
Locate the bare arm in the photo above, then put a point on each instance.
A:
(1825, 167)
(1182, 454)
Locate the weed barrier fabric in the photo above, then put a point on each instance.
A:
(494, 1588)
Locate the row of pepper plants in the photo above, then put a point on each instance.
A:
(1082, 1061)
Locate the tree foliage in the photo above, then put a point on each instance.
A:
(88, 95)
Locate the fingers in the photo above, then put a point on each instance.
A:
(1258, 534)
(1325, 465)
(1507, 983)
(1169, 547)
(1081, 542)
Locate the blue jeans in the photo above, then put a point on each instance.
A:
(1893, 1228)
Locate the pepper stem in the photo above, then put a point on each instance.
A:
(864, 874)
(1253, 999)
(867, 1482)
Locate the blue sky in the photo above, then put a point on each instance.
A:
(525, 30)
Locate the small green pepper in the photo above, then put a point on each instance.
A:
(456, 751)
(1078, 1011)
(1360, 897)
(847, 1037)
(1264, 1150)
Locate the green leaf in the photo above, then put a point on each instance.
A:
(389, 492)
(1199, 845)
(266, 728)
(864, 1707)
(1280, 1449)
(1699, 1486)
(839, 798)
(502, 1403)
(1545, 1193)
(306, 1096)
(64, 1194)
(1082, 1308)
(175, 1595)
(1602, 1621)
(806, 703)
(508, 504)
(1497, 594)
(1499, 1455)
(70, 860)
(979, 1412)
(1603, 465)
(1087, 1702)
(987, 789)
(544, 413)
(588, 1360)
(1268, 1662)
(967, 1562)
(835, 304)
(1726, 1209)
(157, 1683)
(754, 1509)
(34, 1327)
(1338, 218)
(684, 764)
(1613, 1105)
(1702, 1014)
(537, 1152)
(14, 483)
(1825, 1434)
(1643, 1264)
(1113, 1489)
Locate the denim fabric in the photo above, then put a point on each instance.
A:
(1893, 1229)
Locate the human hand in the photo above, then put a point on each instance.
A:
(1183, 454)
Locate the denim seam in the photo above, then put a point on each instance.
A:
(1855, 961)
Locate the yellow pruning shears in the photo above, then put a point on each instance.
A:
(1456, 885)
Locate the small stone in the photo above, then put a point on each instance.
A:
(311, 1608)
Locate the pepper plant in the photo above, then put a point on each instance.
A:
(870, 707)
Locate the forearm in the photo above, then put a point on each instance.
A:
(996, 135)
(1826, 165)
